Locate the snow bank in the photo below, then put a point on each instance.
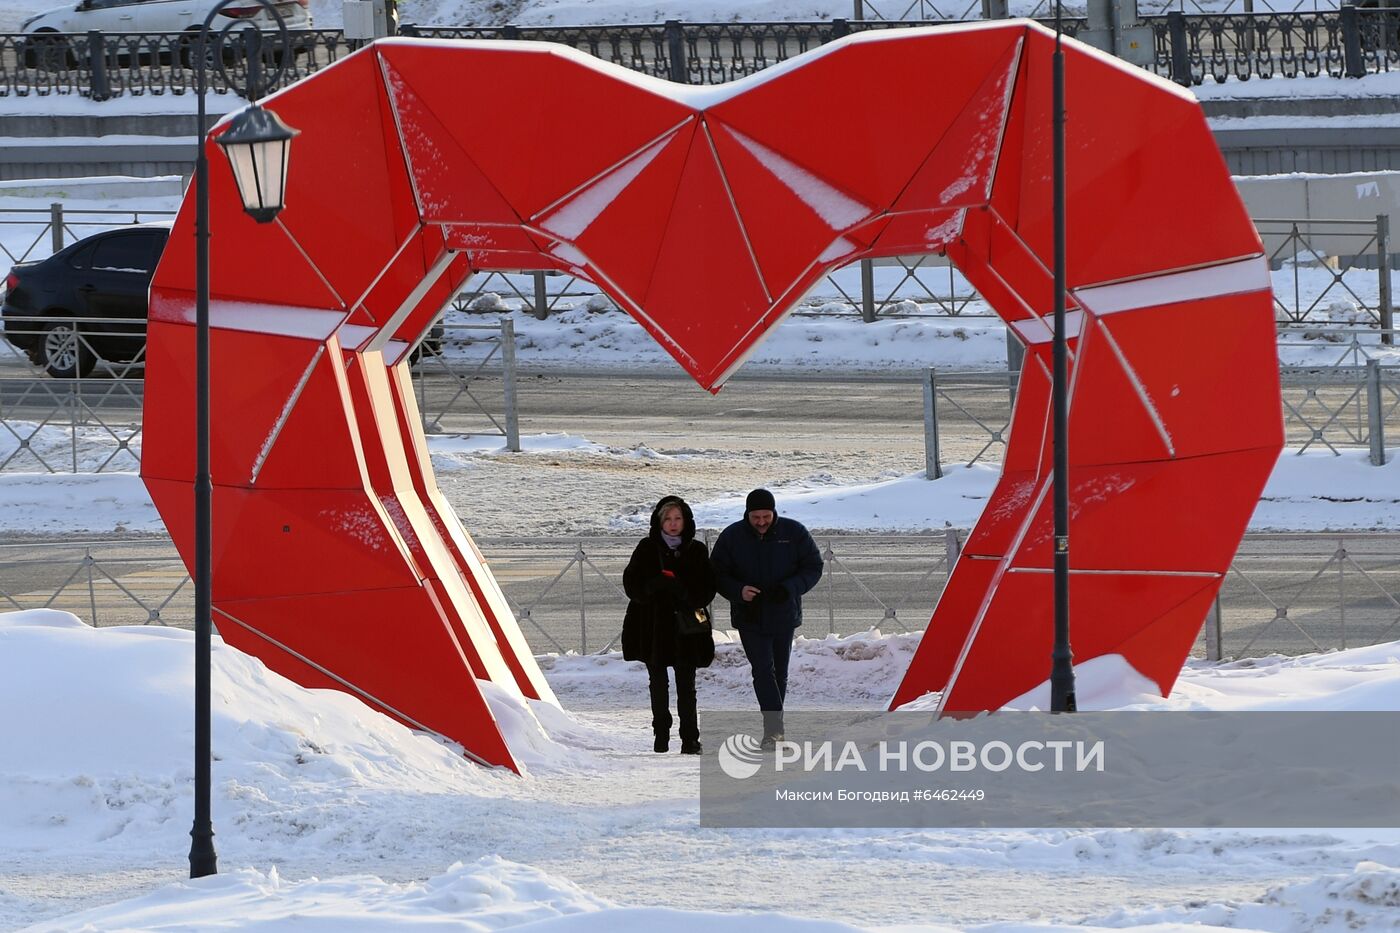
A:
(492, 894)
(1366, 898)
(105, 728)
(95, 778)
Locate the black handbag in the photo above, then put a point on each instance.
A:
(693, 621)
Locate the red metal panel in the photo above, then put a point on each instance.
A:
(1197, 509)
(391, 482)
(239, 244)
(705, 342)
(1238, 361)
(619, 220)
(306, 542)
(1010, 650)
(1110, 421)
(868, 82)
(449, 185)
(352, 220)
(470, 563)
(958, 172)
(1126, 132)
(945, 636)
(531, 86)
(764, 182)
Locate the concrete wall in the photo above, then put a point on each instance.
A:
(1319, 198)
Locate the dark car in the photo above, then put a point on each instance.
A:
(86, 302)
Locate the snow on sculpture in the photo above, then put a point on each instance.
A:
(336, 559)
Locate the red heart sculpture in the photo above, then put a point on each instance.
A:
(707, 213)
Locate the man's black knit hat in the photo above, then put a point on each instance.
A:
(760, 500)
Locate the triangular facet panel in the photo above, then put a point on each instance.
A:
(958, 173)
(763, 181)
(449, 185)
(618, 220)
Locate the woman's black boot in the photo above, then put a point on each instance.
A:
(690, 746)
(663, 742)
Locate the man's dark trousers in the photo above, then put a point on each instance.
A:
(768, 656)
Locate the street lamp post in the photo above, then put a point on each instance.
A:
(1062, 699)
(256, 144)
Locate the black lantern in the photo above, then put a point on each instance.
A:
(257, 144)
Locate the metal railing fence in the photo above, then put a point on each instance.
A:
(456, 378)
(34, 233)
(1284, 593)
(93, 425)
(1330, 272)
(1188, 46)
(71, 425)
(1322, 265)
(464, 382)
(967, 415)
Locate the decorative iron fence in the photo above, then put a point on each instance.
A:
(1188, 47)
(1284, 593)
(1346, 42)
(103, 65)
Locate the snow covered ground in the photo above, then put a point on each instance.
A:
(330, 817)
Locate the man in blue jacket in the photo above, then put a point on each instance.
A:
(763, 565)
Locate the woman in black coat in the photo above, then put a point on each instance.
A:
(669, 571)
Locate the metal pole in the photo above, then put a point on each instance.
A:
(1387, 308)
(830, 591)
(867, 291)
(858, 13)
(203, 860)
(1214, 632)
(75, 400)
(933, 468)
(508, 383)
(1353, 65)
(1375, 415)
(56, 227)
(99, 84)
(1062, 658)
(582, 604)
(1342, 587)
(675, 50)
(541, 297)
(1180, 52)
(92, 590)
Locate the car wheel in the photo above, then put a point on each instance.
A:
(64, 353)
(189, 52)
